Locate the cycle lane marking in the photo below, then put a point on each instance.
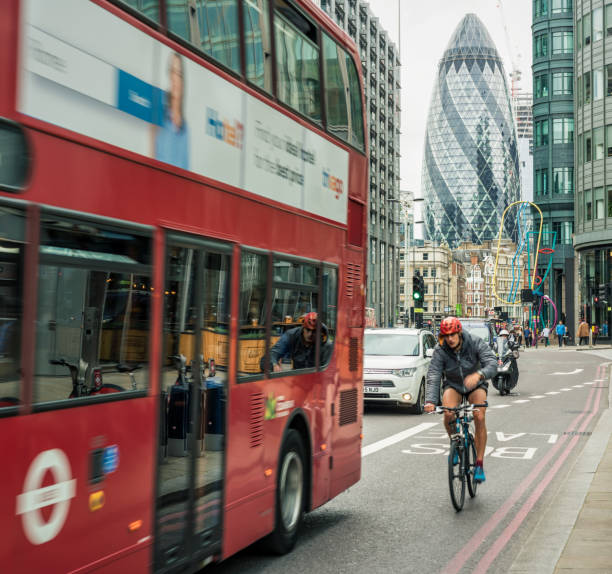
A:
(485, 562)
(393, 439)
(474, 543)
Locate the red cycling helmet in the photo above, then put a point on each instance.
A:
(450, 325)
(310, 320)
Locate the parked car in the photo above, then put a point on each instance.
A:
(482, 328)
(395, 367)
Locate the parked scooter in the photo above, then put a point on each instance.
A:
(507, 369)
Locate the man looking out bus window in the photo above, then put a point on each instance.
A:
(299, 345)
(465, 363)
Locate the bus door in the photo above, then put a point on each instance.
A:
(193, 401)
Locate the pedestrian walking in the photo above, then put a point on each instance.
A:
(604, 329)
(527, 334)
(560, 330)
(583, 333)
(595, 330)
(545, 335)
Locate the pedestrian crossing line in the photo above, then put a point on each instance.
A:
(537, 397)
(519, 401)
(552, 393)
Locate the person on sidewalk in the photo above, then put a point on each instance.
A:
(545, 335)
(527, 333)
(560, 330)
(595, 329)
(583, 333)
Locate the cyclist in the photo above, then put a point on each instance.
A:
(465, 362)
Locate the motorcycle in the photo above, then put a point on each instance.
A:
(507, 370)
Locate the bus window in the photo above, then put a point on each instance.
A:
(214, 29)
(12, 241)
(93, 314)
(252, 343)
(148, 8)
(297, 61)
(257, 43)
(329, 302)
(342, 94)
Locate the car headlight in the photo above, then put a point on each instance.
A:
(404, 372)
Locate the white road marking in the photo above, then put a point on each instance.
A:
(565, 389)
(519, 401)
(578, 386)
(574, 372)
(588, 383)
(537, 397)
(385, 442)
(552, 393)
(500, 406)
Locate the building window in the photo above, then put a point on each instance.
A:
(541, 133)
(563, 180)
(588, 149)
(541, 181)
(609, 139)
(588, 205)
(562, 83)
(586, 29)
(598, 87)
(580, 149)
(559, 6)
(579, 91)
(610, 198)
(586, 80)
(541, 86)
(597, 24)
(608, 19)
(563, 42)
(599, 202)
(563, 130)
(540, 8)
(425, 256)
(540, 47)
(579, 33)
(598, 143)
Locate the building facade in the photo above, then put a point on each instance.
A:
(471, 165)
(381, 72)
(554, 139)
(522, 103)
(593, 198)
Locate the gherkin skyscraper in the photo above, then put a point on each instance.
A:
(470, 166)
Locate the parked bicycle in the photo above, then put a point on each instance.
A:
(462, 457)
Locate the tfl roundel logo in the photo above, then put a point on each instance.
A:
(35, 496)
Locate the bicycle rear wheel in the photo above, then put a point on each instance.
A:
(470, 465)
(456, 478)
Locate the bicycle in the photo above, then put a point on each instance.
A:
(462, 456)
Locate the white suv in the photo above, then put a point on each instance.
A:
(395, 366)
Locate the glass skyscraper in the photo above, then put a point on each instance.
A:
(470, 167)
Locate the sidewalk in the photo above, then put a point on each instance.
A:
(574, 534)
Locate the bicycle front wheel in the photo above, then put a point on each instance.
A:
(456, 478)
(471, 466)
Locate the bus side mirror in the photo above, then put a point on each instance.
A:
(429, 353)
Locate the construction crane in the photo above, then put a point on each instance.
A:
(515, 74)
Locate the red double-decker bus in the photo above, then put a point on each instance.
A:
(183, 193)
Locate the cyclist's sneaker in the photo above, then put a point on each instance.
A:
(479, 475)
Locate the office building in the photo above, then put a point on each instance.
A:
(471, 165)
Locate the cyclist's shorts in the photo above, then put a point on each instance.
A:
(462, 390)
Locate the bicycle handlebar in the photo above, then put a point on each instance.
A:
(466, 408)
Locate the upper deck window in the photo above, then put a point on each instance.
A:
(297, 61)
(342, 94)
(213, 28)
(257, 43)
(148, 8)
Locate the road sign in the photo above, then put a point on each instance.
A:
(35, 497)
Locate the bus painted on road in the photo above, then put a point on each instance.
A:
(181, 183)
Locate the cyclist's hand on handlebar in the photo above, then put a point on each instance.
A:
(429, 407)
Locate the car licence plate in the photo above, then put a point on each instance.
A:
(371, 389)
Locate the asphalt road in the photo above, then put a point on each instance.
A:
(399, 517)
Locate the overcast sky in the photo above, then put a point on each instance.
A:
(426, 28)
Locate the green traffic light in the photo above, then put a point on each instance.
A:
(416, 295)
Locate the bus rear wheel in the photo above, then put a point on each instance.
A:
(290, 486)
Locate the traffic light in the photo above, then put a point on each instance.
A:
(602, 291)
(417, 288)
